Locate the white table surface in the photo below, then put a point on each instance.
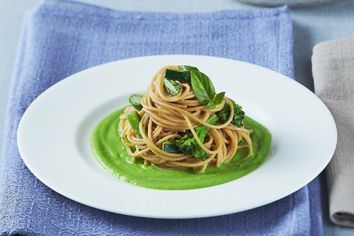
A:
(311, 25)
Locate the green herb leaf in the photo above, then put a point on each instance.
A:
(134, 119)
(213, 119)
(202, 132)
(202, 86)
(172, 87)
(216, 100)
(183, 76)
(170, 147)
(187, 68)
(135, 100)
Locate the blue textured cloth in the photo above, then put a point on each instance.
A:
(60, 38)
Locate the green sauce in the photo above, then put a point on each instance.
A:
(107, 145)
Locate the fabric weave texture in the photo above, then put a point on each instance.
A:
(333, 70)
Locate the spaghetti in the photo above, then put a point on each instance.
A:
(170, 128)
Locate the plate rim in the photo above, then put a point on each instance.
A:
(171, 216)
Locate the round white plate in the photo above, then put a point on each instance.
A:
(54, 133)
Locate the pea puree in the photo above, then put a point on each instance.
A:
(108, 148)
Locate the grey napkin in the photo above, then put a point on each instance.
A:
(333, 72)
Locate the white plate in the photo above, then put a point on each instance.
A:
(53, 137)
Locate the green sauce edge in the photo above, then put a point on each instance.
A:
(111, 153)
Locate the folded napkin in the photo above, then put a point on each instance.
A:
(63, 37)
(333, 72)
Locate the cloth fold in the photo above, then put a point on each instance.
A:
(333, 72)
(63, 37)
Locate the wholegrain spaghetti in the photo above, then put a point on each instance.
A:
(166, 118)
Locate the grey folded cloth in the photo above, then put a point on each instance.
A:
(333, 72)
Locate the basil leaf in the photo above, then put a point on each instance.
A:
(187, 68)
(172, 87)
(202, 86)
(135, 100)
(213, 119)
(216, 100)
(183, 77)
(202, 132)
